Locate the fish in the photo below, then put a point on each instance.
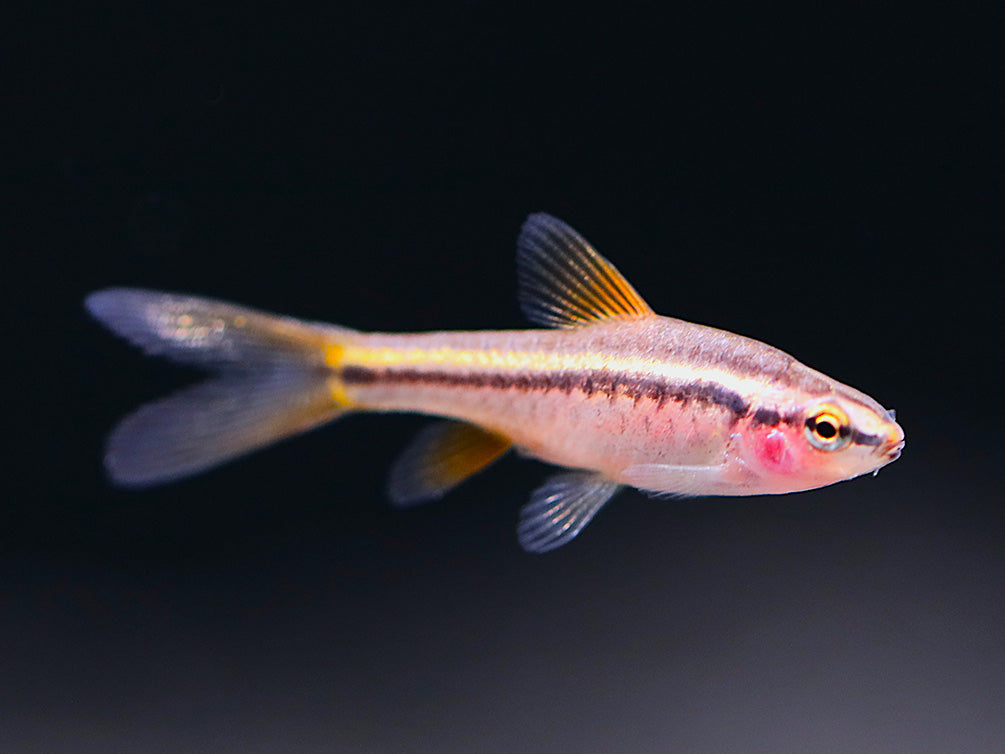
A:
(613, 393)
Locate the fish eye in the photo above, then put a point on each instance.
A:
(827, 428)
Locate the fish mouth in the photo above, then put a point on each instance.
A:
(894, 445)
(890, 450)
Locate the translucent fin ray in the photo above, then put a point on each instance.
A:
(564, 282)
(209, 333)
(560, 508)
(272, 382)
(440, 457)
(214, 422)
(673, 481)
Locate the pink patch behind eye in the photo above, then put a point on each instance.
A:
(773, 452)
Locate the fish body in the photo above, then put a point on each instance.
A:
(618, 394)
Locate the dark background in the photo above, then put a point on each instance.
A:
(831, 184)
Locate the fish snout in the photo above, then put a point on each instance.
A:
(894, 442)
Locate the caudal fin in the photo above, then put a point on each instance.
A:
(271, 382)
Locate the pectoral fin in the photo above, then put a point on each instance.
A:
(676, 481)
(560, 508)
(440, 457)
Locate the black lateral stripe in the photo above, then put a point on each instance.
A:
(610, 384)
(861, 438)
(767, 416)
(359, 375)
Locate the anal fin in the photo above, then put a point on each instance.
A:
(440, 457)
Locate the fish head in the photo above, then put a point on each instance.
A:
(821, 441)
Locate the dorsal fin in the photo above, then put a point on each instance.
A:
(563, 282)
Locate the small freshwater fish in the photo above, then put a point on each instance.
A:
(617, 394)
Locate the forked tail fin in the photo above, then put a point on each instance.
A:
(271, 381)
